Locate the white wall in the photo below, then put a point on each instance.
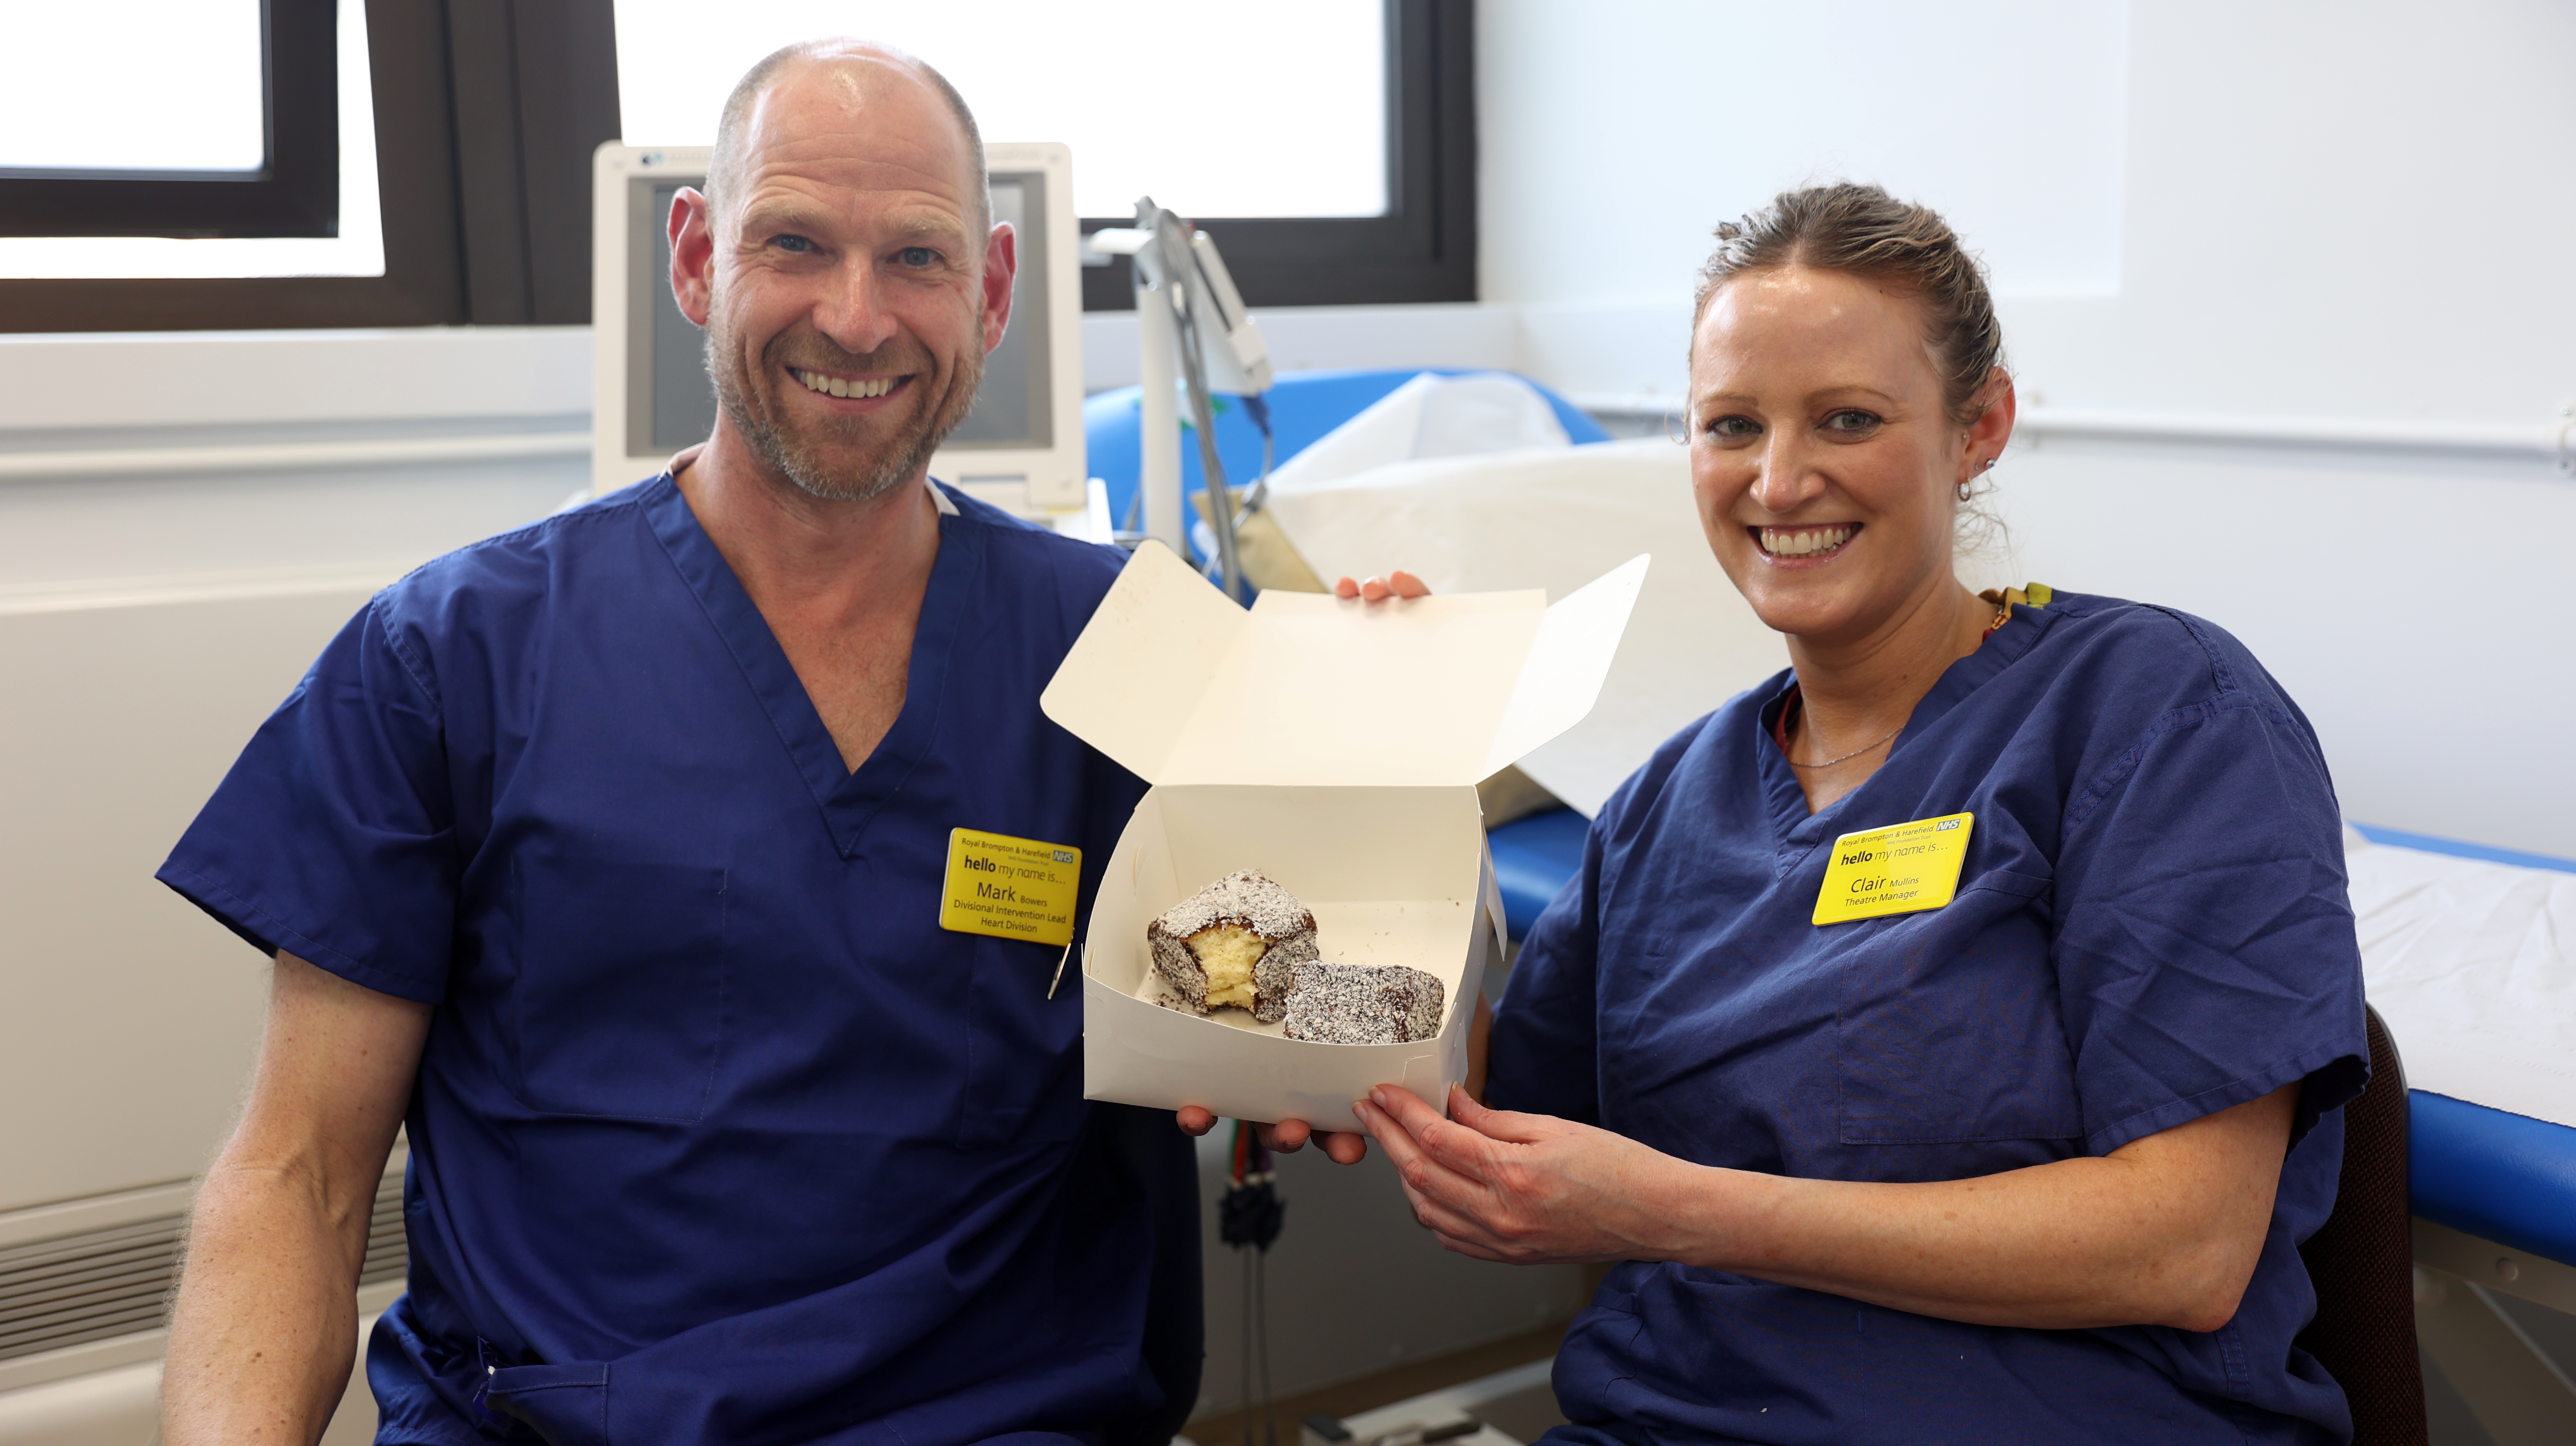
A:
(148, 621)
(2358, 211)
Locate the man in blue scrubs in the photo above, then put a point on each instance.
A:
(607, 856)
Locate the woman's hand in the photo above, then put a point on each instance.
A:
(1342, 1147)
(1375, 589)
(1526, 1189)
(2164, 1230)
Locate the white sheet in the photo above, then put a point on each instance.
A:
(1429, 416)
(2473, 965)
(1556, 518)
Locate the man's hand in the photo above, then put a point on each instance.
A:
(1375, 589)
(1343, 1147)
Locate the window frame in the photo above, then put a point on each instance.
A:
(486, 112)
(1422, 250)
(294, 191)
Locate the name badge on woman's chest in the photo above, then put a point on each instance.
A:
(1894, 870)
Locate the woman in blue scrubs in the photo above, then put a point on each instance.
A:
(2002, 1127)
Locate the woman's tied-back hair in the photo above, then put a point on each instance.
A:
(1863, 231)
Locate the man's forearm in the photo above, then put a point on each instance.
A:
(265, 1326)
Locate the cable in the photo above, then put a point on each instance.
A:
(1202, 409)
(1249, 1216)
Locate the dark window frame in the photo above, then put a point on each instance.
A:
(486, 114)
(487, 111)
(1423, 249)
(294, 191)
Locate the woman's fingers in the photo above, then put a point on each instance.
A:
(1346, 589)
(1194, 1120)
(1405, 584)
(1456, 1143)
(1506, 1125)
(1425, 1177)
(1407, 1108)
(1468, 1248)
(1286, 1137)
(1346, 1147)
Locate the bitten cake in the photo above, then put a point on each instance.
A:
(1362, 1004)
(1236, 943)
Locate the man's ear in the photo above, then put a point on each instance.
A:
(693, 253)
(1001, 263)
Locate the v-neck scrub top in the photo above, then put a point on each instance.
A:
(2150, 926)
(717, 1136)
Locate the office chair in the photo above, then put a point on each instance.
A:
(2362, 1263)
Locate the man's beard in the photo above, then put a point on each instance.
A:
(876, 453)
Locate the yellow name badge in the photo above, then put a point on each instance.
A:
(1894, 870)
(1010, 888)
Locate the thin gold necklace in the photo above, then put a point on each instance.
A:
(2002, 616)
(1855, 753)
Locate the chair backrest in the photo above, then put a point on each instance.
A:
(2362, 1263)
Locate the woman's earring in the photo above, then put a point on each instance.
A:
(1965, 494)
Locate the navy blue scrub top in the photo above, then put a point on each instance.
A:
(718, 1136)
(2150, 927)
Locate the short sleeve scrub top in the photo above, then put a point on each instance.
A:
(718, 1135)
(2150, 926)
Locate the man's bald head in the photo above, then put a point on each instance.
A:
(724, 170)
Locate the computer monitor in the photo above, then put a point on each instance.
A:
(1020, 448)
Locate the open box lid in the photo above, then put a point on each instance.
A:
(1181, 686)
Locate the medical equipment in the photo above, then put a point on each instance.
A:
(1248, 1217)
(1192, 332)
(1503, 1409)
(1020, 449)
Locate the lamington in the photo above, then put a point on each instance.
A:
(1362, 1004)
(1237, 942)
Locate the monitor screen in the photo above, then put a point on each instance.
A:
(671, 405)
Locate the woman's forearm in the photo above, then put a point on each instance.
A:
(2163, 1231)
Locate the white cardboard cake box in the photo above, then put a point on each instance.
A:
(1334, 746)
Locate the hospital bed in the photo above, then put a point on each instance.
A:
(2465, 946)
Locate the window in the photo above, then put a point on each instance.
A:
(224, 121)
(454, 137)
(1328, 144)
(225, 159)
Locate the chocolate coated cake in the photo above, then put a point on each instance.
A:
(1237, 942)
(1362, 1004)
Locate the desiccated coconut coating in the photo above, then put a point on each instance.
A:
(1242, 901)
(1363, 1004)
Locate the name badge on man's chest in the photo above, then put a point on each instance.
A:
(1899, 869)
(1010, 888)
